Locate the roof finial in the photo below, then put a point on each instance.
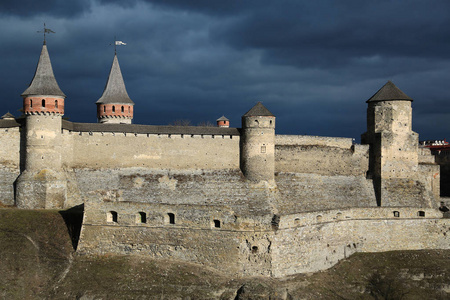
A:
(45, 31)
(117, 43)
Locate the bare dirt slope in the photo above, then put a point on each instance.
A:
(37, 261)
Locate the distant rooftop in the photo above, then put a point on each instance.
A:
(8, 115)
(222, 118)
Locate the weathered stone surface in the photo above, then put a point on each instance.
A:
(243, 201)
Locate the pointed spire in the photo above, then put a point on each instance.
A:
(115, 91)
(389, 92)
(44, 82)
(259, 110)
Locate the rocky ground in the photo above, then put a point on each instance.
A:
(37, 261)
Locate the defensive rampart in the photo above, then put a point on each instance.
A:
(266, 245)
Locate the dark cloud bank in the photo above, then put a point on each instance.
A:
(312, 63)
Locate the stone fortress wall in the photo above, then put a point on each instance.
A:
(250, 246)
(242, 200)
(168, 151)
(320, 210)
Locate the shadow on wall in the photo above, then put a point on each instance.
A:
(73, 217)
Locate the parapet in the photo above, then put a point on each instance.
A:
(285, 140)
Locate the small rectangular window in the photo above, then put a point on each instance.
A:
(171, 218)
(263, 149)
(111, 217)
(216, 223)
(142, 217)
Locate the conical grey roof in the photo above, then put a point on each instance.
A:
(389, 92)
(258, 110)
(222, 118)
(44, 82)
(115, 91)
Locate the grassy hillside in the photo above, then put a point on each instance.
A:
(37, 261)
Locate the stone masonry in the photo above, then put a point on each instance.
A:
(242, 200)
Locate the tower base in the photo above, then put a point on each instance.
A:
(46, 189)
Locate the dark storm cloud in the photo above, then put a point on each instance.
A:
(312, 63)
(328, 36)
(56, 8)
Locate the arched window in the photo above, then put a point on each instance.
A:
(43, 102)
(104, 108)
(114, 109)
(123, 110)
(128, 109)
(421, 213)
(396, 214)
(31, 102)
(56, 103)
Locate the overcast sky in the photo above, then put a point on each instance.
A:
(311, 63)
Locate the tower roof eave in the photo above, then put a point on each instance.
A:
(114, 100)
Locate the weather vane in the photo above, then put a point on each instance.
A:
(117, 43)
(45, 31)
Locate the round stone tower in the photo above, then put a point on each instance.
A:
(42, 183)
(258, 144)
(115, 106)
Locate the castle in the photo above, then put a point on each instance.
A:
(245, 201)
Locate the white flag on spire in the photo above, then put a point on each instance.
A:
(120, 43)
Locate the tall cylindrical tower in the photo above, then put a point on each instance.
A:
(42, 183)
(258, 144)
